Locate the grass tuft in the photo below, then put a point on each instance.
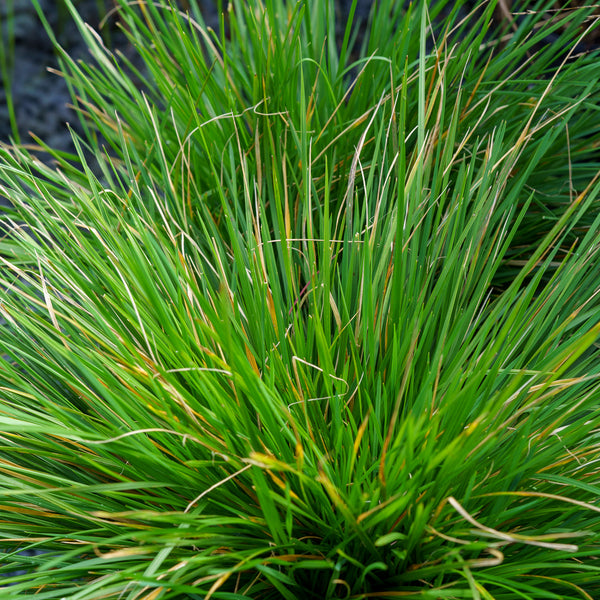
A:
(322, 322)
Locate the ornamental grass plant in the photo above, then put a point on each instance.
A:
(322, 321)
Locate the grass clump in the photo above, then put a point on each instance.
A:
(322, 323)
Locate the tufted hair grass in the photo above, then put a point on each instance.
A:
(322, 322)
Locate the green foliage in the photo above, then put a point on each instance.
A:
(322, 323)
